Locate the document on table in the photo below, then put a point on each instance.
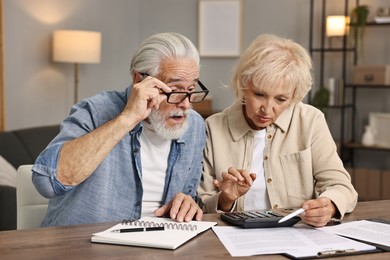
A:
(363, 230)
(300, 242)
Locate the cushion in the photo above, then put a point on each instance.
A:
(13, 150)
(7, 173)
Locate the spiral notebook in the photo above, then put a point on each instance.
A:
(146, 233)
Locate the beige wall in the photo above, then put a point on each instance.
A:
(40, 92)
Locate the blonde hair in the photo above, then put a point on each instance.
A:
(271, 60)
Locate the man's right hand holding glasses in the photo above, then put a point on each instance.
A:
(147, 93)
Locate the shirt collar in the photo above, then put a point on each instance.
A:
(239, 127)
(284, 119)
(236, 121)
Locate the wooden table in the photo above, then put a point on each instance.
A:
(73, 242)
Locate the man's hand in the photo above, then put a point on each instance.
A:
(318, 212)
(181, 208)
(233, 185)
(145, 96)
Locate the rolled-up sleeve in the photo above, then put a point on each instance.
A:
(44, 174)
(79, 122)
(84, 117)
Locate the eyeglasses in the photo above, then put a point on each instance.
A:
(176, 97)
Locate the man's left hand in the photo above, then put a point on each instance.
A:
(181, 208)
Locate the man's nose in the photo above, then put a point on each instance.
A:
(185, 103)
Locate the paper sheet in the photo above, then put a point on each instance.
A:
(375, 232)
(302, 241)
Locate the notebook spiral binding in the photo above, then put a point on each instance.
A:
(178, 226)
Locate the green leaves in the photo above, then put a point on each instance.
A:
(321, 99)
(358, 23)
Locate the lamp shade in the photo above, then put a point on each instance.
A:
(336, 25)
(76, 46)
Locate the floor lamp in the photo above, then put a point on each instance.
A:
(76, 47)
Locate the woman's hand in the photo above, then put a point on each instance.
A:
(318, 212)
(233, 185)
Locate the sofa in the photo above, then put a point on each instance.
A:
(20, 147)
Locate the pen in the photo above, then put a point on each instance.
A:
(335, 252)
(127, 230)
(291, 215)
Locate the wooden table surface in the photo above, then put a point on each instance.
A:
(73, 242)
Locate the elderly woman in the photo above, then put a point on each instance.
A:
(270, 150)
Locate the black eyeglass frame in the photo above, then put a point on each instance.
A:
(185, 94)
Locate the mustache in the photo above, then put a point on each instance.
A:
(181, 112)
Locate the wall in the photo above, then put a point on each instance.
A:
(40, 92)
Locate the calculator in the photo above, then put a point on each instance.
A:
(257, 219)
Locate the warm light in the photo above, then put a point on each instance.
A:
(336, 25)
(76, 46)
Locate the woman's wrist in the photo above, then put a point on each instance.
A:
(225, 203)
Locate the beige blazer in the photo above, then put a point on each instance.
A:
(300, 158)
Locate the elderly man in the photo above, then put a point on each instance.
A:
(123, 155)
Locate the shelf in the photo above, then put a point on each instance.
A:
(363, 147)
(366, 86)
(324, 56)
(374, 24)
(339, 106)
(332, 49)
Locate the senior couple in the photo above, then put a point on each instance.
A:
(144, 151)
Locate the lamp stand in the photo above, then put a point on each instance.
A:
(76, 83)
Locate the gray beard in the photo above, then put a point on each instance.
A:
(157, 121)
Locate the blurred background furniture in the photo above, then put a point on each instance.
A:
(20, 147)
(31, 206)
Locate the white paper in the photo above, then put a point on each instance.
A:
(375, 232)
(299, 241)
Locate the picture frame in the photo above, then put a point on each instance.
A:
(220, 28)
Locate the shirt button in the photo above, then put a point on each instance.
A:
(275, 206)
(136, 150)
(137, 204)
(269, 136)
(269, 180)
(266, 157)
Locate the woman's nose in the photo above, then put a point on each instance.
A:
(266, 106)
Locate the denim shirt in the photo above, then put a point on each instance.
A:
(114, 191)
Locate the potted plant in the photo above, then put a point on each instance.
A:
(321, 99)
(358, 22)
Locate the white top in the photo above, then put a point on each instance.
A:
(154, 160)
(257, 197)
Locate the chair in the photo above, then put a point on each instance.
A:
(31, 206)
